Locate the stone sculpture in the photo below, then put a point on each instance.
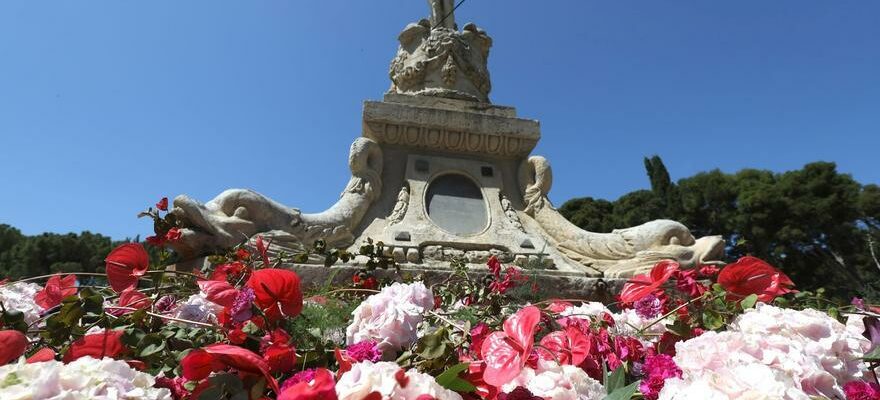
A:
(435, 59)
(238, 214)
(436, 126)
(623, 252)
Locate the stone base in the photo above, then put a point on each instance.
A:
(550, 284)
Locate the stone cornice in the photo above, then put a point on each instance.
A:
(448, 130)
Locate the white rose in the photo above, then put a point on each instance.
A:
(391, 317)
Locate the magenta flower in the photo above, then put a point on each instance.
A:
(242, 306)
(303, 376)
(657, 369)
(861, 390)
(520, 393)
(367, 350)
(648, 307)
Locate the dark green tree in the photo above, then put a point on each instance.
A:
(816, 224)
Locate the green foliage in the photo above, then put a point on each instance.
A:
(22, 256)
(816, 224)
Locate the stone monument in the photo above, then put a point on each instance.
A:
(439, 174)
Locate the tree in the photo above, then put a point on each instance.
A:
(22, 256)
(815, 223)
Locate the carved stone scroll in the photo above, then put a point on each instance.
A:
(623, 252)
(236, 215)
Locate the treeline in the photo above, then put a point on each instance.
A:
(819, 226)
(23, 256)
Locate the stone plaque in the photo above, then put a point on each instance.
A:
(455, 204)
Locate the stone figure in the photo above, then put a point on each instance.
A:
(400, 207)
(510, 212)
(623, 252)
(238, 214)
(437, 60)
(442, 13)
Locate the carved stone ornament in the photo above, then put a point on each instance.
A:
(435, 59)
(400, 207)
(623, 252)
(239, 214)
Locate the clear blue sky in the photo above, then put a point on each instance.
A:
(107, 105)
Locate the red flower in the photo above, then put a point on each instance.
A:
(237, 336)
(751, 275)
(56, 289)
(13, 344)
(345, 362)
(130, 298)
(125, 264)
(322, 387)
(199, 363)
(506, 353)
(155, 240)
(263, 249)
(242, 254)
(569, 346)
(96, 345)
(642, 285)
(278, 352)
(218, 292)
(162, 205)
(43, 354)
(277, 292)
(173, 235)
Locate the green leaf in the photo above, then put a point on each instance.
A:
(624, 393)
(433, 346)
(615, 380)
(450, 379)
(712, 320)
(749, 301)
(873, 355)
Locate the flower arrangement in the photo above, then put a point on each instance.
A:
(247, 328)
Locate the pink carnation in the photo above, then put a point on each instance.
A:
(860, 390)
(368, 350)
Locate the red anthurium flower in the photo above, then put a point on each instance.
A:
(263, 249)
(322, 387)
(277, 292)
(13, 344)
(44, 354)
(278, 352)
(199, 363)
(130, 298)
(56, 289)
(751, 275)
(506, 352)
(345, 362)
(218, 292)
(96, 345)
(568, 346)
(642, 285)
(125, 264)
(162, 205)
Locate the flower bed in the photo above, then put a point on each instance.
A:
(247, 329)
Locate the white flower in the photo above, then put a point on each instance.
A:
(366, 377)
(19, 296)
(83, 379)
(770, 353)
(197, 308)
(391, 317)
(628, 323)
(557, 382)
(585, 311)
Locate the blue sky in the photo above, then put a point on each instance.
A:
(107, 105)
